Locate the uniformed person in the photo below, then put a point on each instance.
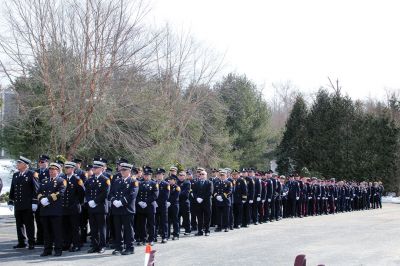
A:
(84, 217)
(123, 199)
(239, 191)
(173, 209)
(97, 188)
(248, 205)
(202, 192)
(162, 206)
(23, 201)
(50, 196)
(43, 172)
(72, 200)
(184, 203)
(146, 205)
(222, 193)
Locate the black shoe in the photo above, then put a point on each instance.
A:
(65, 248)
(186, 233)
(101, 250)
(207, 234)
(199, 234)
(92, 250)
(226, 230)
(31, 247)
(164, 241)
(45, 253)
(128, 252)
(138, 243)
(231, 227)
(58, 253)
(20, 246)
(175, 238)
(74, 249)
(245, 226)
(117, 252)
(255, 223)
(218, 230)
(39, 243)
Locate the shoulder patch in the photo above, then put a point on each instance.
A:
(178, 189)
(168, 187)
(157, 186)
(86, 174)
(108, 182)
(136, 183)
(35, 175)
(80, 182)
(65, 182)
(111, 177)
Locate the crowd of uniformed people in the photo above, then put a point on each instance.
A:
(141, 205)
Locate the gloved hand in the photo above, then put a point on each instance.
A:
(34, 207)
(297, 198)
(142, 204)
(309, 197)
(258, 198)
(251, 201)
(116, 203)
(219, 198)
(168, 204)
(263, 201)
(269, 200)
(199, 200)
(44, 201)
(92, 204)
(335, 198)
(243, 201)
(11, 207)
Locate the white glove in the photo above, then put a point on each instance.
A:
(92, 204)
(309, 197)
(142, 204)
(318, 197)
(11, 208)
(219, 198)
(335, 198)
(297, 198)
(263, 201)
(168, 204)
(34, 207)
(269, 200)
(45, 201)
(116, 203)
(200, 200)
(243, 201)
(250, 201)
(258, 198)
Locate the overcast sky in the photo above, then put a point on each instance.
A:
(299, 41)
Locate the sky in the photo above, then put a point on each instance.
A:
(301, 42)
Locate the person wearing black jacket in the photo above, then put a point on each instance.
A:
(239, 191)
(123, 199)
(257, 195)
(173, 209)
(293, 195)
(248, 205)
(23, 201)
(202, 193)
(97, 188)
(72, 200)
(184, 203)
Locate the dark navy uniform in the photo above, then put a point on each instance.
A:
(248, 205)
(239, 191)
(203, 191)
(184, 204)
(148, 193)
(84, 216)
(73, 198)
(97, 189)
(162, 210)
(125, 191)
(173, 211)
(257, 199)
(42, 174)
(23, 193)
(223, 190)
(52, 190)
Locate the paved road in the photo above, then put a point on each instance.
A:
(358, 238)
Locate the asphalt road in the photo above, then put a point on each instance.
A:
(357, 238)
